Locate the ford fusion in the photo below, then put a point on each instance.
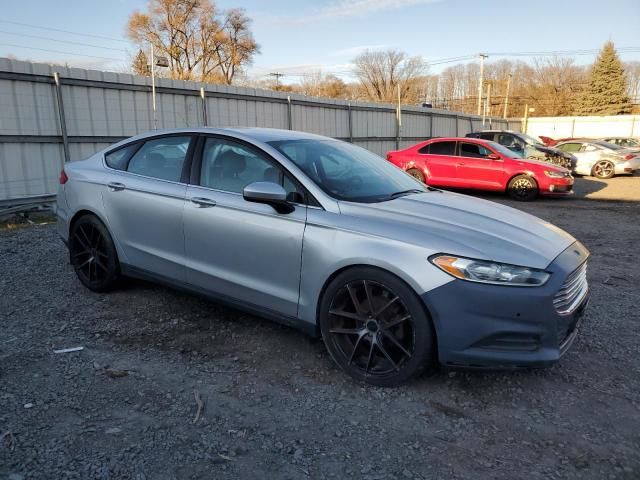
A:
(319, 234)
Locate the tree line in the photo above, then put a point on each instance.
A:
(202, 43)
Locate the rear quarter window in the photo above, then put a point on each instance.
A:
(117, 159)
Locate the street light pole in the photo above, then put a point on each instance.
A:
(481, 81)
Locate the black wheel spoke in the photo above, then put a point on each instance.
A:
(386, 354)
(367, 291)
(396, 343)
(385, 306)
(82, 242)
(354, 299)
(342, 313)
(347, 331)
(397, 321)
(371, 347)
(86, 262)
(101, 265)
(355, 347)
(82, 252)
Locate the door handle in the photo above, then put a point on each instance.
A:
(116, 186)
(461, 163)
(202, 202)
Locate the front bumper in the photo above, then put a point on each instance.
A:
(494, 326)
(558, 186)
(628, 167)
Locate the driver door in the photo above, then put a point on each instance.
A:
(241, 250)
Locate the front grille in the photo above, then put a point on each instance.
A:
(563, 188)
(572, 292)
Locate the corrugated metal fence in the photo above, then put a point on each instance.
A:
(50, 113)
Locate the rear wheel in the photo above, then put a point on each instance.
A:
(375, 327)
(417, 174)
(604, 169)
(93, 254)
(522, 188)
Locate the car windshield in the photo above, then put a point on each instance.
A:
(347, 172)
(529, 139)
(502, 150)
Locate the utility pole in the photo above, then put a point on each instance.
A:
(277, 75)
(526, 117)
(487, 105)
(481, 81)
(506, 97)
(153, 89)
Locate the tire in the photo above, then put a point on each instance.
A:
(522, 188)
(417, 174)
(603, 169)
(375, 327)
(93, 254)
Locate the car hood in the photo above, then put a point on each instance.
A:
(539, 163)
(462, 225)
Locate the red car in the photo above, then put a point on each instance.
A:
(481, 164)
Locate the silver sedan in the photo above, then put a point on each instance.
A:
(322, 235)
(601, 159)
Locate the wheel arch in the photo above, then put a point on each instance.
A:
(402, 278)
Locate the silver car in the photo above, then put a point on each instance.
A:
(601, 159)
(328, 237)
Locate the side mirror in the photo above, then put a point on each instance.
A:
(493, 156)
(270, 193)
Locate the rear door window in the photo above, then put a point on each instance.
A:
(161, 158)
(570, 147)
(442, 148)
(473, 150)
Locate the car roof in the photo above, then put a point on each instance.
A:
(459, 139)
(256, 133)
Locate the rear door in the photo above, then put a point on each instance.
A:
(441, 160)
(240, 250)
(478, 171)
(144, 201)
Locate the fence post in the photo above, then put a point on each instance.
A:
(205, 120)
(350, 123)
(63, 123)
(398, 123)
(456, 117)
(431, 124)
(289, 117)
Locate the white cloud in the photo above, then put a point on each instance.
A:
(357, 50)
(351, 8)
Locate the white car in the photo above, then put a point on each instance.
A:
(601, 159)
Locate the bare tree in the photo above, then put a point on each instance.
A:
(199, 41)
(381, 72)
(140, 64)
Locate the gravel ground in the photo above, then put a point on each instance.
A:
(275, 407)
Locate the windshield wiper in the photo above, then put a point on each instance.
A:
(405, 192)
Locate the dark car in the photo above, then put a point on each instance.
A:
(528, 147)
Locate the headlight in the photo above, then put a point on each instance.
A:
(554, 174)
(482, 271)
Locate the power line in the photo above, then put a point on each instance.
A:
(103, 37)
(59, 51)
(62, 41)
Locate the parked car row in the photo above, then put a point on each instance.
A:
(624, 142)
(328, 237)
(601, 159)
(474, 163)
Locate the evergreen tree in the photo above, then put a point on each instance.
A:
(140, 64)
(605, 92)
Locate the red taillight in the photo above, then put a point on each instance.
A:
(63, 177)
(629, 156)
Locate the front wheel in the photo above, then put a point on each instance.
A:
(375, 327)
(522, 188)
(93, 254)
(604, 169)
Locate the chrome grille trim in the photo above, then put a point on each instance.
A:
(572, 292)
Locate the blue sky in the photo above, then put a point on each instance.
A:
(297, 37)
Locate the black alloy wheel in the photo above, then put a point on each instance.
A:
(93, 254)
(522, 188)
(604, 169)
(375, 327)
